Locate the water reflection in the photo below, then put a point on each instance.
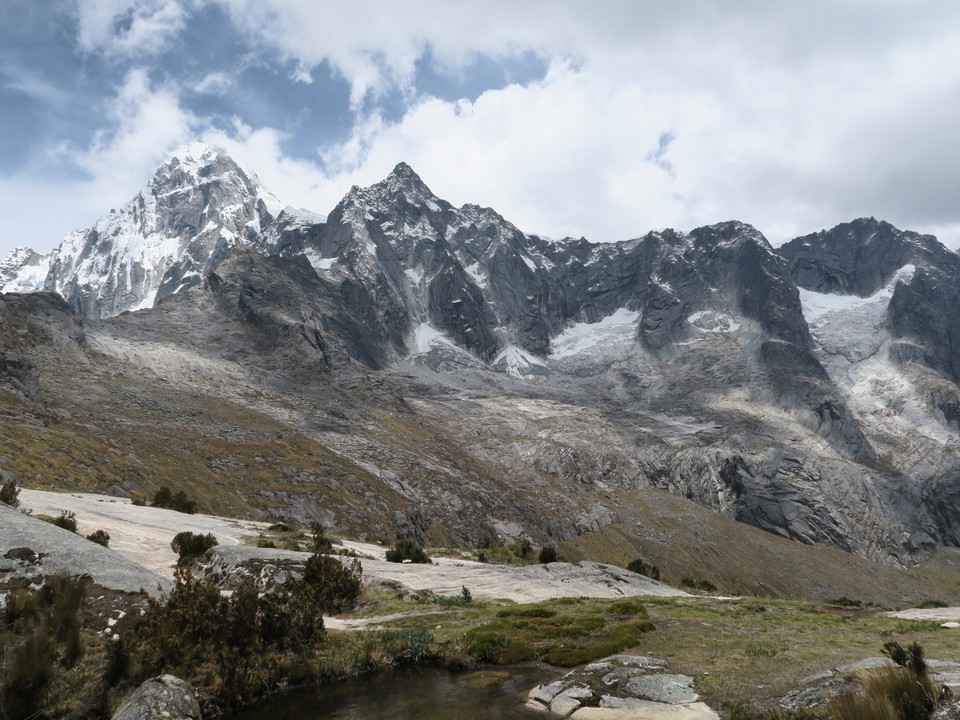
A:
(400, 695)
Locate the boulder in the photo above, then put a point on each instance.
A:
(161, 698)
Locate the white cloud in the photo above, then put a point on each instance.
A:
(73, 186)
(215, 83)
(129, 27)
(793, 117)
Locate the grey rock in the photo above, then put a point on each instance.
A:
(161, 698)
(665, 688)
(32, 549)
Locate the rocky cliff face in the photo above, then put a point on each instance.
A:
(499, 383)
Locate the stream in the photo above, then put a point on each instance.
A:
(424, 694)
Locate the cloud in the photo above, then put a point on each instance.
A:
(792, 117)
(129, 27)
(145, 122)
(214, 83)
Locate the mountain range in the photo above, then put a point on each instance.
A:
(405, 367)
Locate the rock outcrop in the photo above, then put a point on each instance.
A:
(161, 698)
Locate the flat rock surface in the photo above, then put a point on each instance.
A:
(143, 535)
(944, 614)
(31, 548)
(621, 687)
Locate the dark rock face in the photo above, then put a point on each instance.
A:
(161, 698)
(860, 257)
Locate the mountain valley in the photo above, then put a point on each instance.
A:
(405, 368)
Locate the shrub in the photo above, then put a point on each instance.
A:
(694, 584)
(48, 621)
(407, 550)
(335, 587)
(638, 566)
(178, 501)
(66, 520)
(548, 555)
(10, 494)
(320, 543)
(932, 603)
(100, 537)
(189, 545)
(903, 691)
(464, 599)
(523, 549)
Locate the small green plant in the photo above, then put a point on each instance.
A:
(844, 601)
(66, 520)
(320, 543)
(189, 545)
(638, 566)
(547, 555)
(464, 599)
(407, 551)
(523, 549)
(695, 584)
(100, 537)
(930, 603)
(10, 494)
(178, 501)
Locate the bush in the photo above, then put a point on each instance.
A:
(638, 566)
(320, 543)
(100, 537)
(464, 599)
(10, 494)
(334, 586)
(66, 520)
(407, 550)
(548, 555)
(903, 691)
(189, 545)
(48, 622)
(694, 584)
(178, 501)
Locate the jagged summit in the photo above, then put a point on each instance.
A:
(197, 204)
(860, 257)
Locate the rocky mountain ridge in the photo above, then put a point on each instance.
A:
(809, 390)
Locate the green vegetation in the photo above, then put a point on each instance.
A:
(65, 520)
(41, 631)
(407, 551)
(100, 537)
(189, 545)
(564, 635)
(10, 494)
(696, 584)
(178, 501)
(464, 599)
(547, 555)
(903, 691)
(319, 541)
(638, 566)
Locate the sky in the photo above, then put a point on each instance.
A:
(604, 119)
